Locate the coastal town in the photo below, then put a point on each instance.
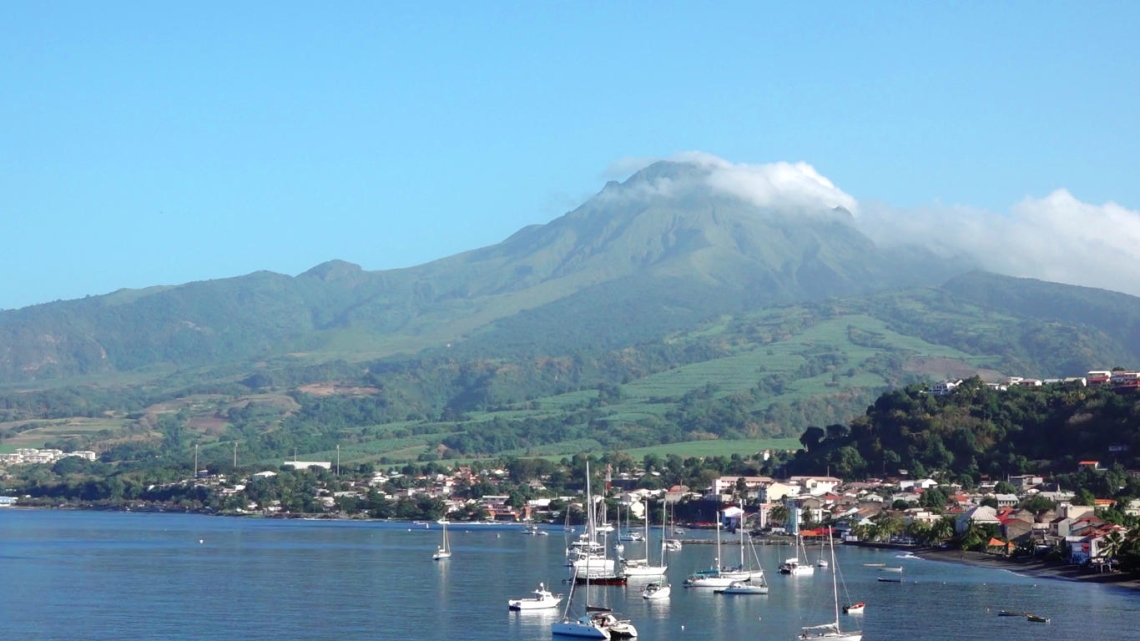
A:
(1025, 516)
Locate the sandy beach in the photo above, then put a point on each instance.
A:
(1031, 567)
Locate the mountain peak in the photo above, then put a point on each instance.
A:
(333, 270)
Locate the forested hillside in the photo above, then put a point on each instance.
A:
(751, 375)
(977, 431)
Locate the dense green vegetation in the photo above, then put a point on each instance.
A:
(978, 432)
(765, 374)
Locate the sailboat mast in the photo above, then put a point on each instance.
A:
(741, 526)
(834, 579)
(590, 499)
(718, 566)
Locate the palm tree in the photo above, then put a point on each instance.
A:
(942, 529)
(778, 514)
(1111, 545)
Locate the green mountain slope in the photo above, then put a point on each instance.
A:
(650, 260)
(751, 375)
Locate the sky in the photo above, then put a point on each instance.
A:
(160, 143)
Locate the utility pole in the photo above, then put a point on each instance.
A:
(235, 458)
(338, 459)
(195, 475)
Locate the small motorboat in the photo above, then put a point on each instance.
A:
(1035, 618)
(854, 608)
(898, 569)
(890, 579)
(542, 600)
(740, 587)
(873, 565)
(655, 591)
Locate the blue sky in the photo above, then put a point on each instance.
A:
(148, 143)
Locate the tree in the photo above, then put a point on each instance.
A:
(778, 514)
(811, 438)
(1003, 487)
(934, 499)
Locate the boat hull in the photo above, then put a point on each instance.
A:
(580, 630)
(643, 570)
(840, 636)
(609, 579)
(519, 605)
(752, 589)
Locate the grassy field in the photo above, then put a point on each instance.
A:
(52, 430)
(717, 447)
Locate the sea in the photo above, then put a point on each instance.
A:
(73, 575)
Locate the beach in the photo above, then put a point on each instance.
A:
(1031, 567)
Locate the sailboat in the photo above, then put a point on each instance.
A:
(830, 631)
(641, 567)
(444, 551)
(757, 584)
(656, 590)
(673, 544)
(596, 623)
(720, 576)
(794, 566)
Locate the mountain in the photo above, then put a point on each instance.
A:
(654, 254)
(665, 309)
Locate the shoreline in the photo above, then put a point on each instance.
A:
(1036, 568)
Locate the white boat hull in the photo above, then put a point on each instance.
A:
(533, 604)
(841, 636)
(581, 629)
(643, 570)
(593, 565)
(659, 593)
(799, 570)
(743, 589)
(710, 582)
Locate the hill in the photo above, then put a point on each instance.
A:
(632, 262)
(663, 310)
(765, 374)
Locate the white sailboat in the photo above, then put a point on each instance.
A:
(757, 585)
(798, 565)
(586, 626)
(673, 544)
(830, 631)
(656, 591)
(641, 567)
(444, 551)
(720, 576)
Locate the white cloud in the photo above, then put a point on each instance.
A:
(780, 186)
(1056, 238)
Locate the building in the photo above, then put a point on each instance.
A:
(304, 465)
(944, 388)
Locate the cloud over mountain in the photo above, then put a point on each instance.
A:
(1056, 238)
(782, 187)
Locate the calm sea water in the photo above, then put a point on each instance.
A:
(90, 575)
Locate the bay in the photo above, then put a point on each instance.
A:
(104, 575)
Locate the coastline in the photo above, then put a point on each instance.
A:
(1037, 568)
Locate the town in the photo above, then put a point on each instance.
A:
(1021, 515)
